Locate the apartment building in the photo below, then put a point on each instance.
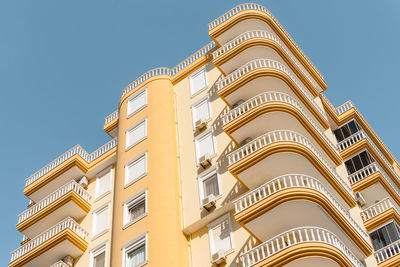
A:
(232, 158)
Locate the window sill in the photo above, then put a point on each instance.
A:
(100, 234)
(102, 195)
(135, 180)
(134, 221)
(134, 144)
(136, 111)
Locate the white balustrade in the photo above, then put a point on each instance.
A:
(272, 97)
(60, 264)
(35, 242)
(251, 6)
(292, 238)
(292, 181)
(266, 63)
(377, 209)
(40, 205)
(281, 136)
(111, 117)
(266, 35)
(387, 252)
(76, 150)
(343, 108)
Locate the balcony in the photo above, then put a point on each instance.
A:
(308, 246)
(111, 124)
(69, 200)
(260, 113)
(281, 152)
(65, 238)
(389, 255)
(71, 165)
(251, 79)
(380, 213)
(282, 203)
(249, 17)
(260, 44)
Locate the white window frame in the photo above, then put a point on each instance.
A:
(202, 69)
(204, 176)
(133, 244)
(144, 120)
(200, 136)
(101, 173)
(210, 234)
(126, 183)
(97, 250)
(134, 199)
(94, 215)
(197, 103)
(137, 94)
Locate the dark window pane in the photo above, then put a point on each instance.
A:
(350, 166)
(338, 134)
(357, 162)
(365, 159)
(352, 127)
(376, 240)
(346, 131)
(392, 233)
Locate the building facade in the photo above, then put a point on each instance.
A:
(232, 158)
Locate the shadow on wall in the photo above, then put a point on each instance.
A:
(250, 243)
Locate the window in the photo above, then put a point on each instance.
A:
(137, 102)
(135, 208)
(100, 221)
(205, 144)
(358, 162)
(103, 183)
(346, 130)
(136, 133)
(385, 235)
(198, 81)
(220, 235)
(134, 253)
(201, 110)
(135, 169)
(98, 256)
(209, 184)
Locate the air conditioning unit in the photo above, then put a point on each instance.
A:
(200, 124)
(360, 199)
(205, 161)
(218, 257)
(238, 103)
(208, 202)
(246, 141)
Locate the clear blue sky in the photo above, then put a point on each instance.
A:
(63, 65)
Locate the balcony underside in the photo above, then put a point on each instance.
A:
(280, 116)
(63, 244)
(391, 262)
(381, 219)
(296, 207)
(283, 158)
(268, 79)
(262, 48)
(71, 204)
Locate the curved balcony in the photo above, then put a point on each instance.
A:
(246, 17)
(276, 109)
(298, 244)
(251, 79)
(380, 213)
(294, 200)
(65, 238)
(70, 200)
(360, 140)
(69, 166)
(111, 124)
(280, 152)
(255, 44)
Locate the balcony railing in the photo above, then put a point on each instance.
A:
(261, 34)
(292, 181)
(60, 264)
(250, 6)
(387, 252)
(377, 209)
(111, 117)
(71, 186)
(76, 150)
(281, 136)
(67, 223)
(294, 237)
(266, 63)
(272, 97)
(346, 106)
